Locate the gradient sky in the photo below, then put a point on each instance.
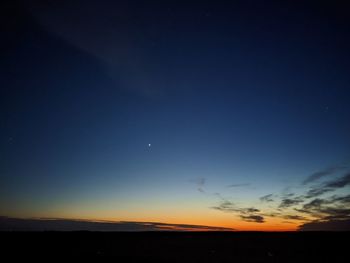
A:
(245, 106)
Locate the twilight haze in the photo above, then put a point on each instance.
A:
(224, 114)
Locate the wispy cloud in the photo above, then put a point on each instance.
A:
(226, 206)
(200, 182)
(294, 217)
(288, 202)
(316, 203)
(340, 182)
(309, 203)
(249, 214)
(328, 213)
(325, 211)
(238, 185)
(253, 218)
(266, 198)
(329, 186)
(200, 189)
(342, 199)
(317, 191)
(326, 172)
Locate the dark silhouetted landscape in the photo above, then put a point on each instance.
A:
(157, 242)
(180, 246)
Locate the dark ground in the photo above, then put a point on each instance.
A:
(179, 246)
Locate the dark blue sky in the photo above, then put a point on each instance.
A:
(243, 93)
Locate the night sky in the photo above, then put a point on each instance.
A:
(228, 114)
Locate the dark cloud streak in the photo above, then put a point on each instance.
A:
(340, 182)
(326, 172)
(329, 186)
(253, 218)
(200, 182)
(16, 224)
(246, 214)
(266, 198)
(288, 202)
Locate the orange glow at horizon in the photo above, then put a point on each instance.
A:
(234, 224)
(196, 216)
